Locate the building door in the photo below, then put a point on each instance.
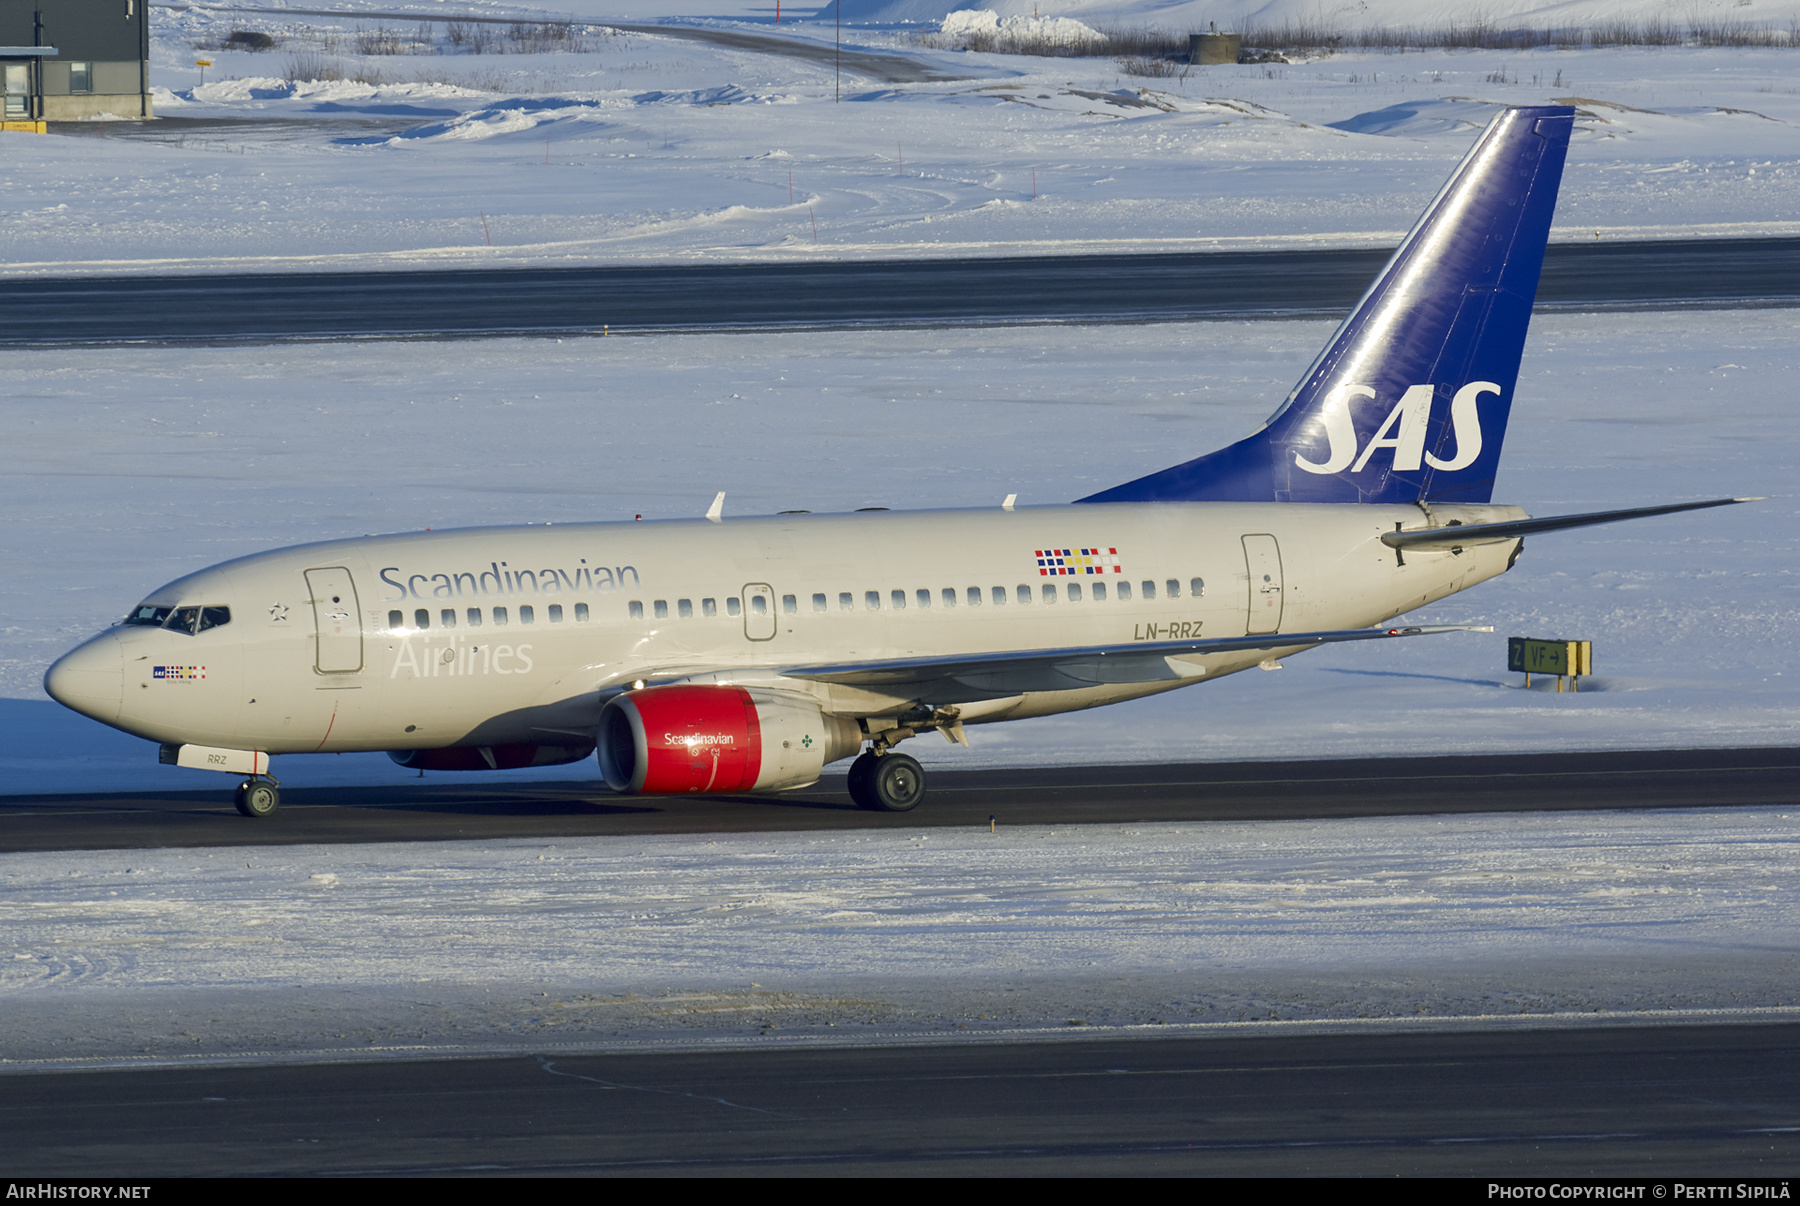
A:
(338, 621)
(1263, 557)
(759, 611)
(15, 83)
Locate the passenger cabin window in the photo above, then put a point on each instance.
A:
(818, 602)
(1100, 592)
(1049, 592)
(759, 605)
(999, 596)
(581, 612)
(684, 608)
(526, 614)
(732, 607)
(709, 607)
(789, 605)
(1074, 592)
(1023, 593)
(447, 618)
(500, 617)
(949, 596)
(661, 607)
(1174, 588)
(1197, 587)
(555, 610)
(1149, 590)
(1124, 590)
(474, 618)
(846, 601)
(872, 600)
(973, 595)
(396, 620)
(898, 598)
(421, 619)
(924, 597)
(636, 608)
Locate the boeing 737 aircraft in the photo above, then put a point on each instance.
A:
(721, 655)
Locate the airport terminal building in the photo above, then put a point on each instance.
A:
(73, 60)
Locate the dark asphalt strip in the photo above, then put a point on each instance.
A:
(1571, 1102)
(465, 808)
(1722, 273)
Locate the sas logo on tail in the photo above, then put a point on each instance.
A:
(1403, 432)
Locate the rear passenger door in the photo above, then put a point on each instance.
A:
(1262, 556)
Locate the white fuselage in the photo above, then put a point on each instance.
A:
(489, 636)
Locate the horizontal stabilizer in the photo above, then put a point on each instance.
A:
(1464, 535)
(994, 675)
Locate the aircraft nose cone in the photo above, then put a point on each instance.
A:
(90, 679)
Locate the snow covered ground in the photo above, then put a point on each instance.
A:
(140, 956)
(649, 147)
(133, 466)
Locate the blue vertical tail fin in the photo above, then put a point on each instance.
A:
(1409, 400)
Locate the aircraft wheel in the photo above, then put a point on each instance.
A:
(257, 799)
(861, 782)
(898, 783)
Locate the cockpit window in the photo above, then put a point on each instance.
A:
(179, 619)
(149, 617)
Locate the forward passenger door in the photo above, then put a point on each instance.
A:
(337, 620)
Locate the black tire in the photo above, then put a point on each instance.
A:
(257, 799)
(861, 783)
(898, 783)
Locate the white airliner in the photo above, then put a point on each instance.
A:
(734, 655)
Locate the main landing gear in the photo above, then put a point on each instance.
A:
(887, 782)
(258, 797)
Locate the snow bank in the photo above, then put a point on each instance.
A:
(1032, 30)
(1196, 15)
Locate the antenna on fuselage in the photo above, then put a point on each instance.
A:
(716, 512)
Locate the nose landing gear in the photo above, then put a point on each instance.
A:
(258, 797)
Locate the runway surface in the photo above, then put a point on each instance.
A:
(1638, 1101)
(1111, 288)
(440, 808)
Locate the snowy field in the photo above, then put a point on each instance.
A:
(140, 956)
(134, 466)
(652, 148)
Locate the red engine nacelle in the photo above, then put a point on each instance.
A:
(717, 740)
(490, 757)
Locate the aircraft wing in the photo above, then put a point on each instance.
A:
(1461, 535)
(964, 677)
